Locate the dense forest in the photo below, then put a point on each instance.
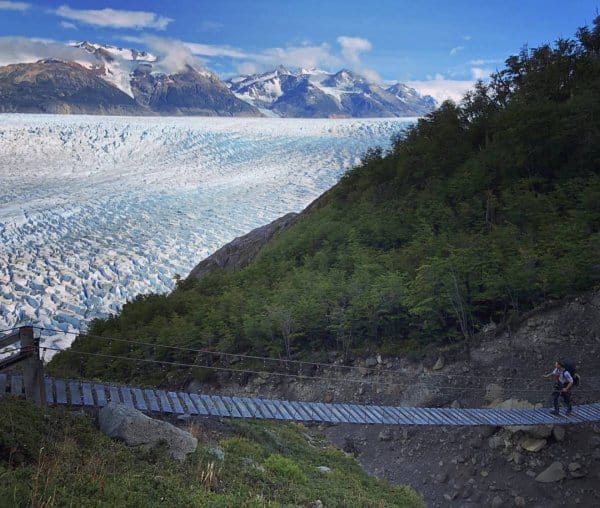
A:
(479, 212)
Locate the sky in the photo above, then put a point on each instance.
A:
(439, 47)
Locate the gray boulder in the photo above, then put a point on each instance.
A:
(136, 429)
(554, 473)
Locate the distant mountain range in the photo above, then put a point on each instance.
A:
(314, 93)
(111, 80)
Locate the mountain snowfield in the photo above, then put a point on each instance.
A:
(96, 210)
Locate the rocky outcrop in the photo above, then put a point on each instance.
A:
(136, 429)
(241, 251)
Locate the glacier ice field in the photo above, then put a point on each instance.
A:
(95, 210)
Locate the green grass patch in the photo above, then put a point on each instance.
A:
(50, 457)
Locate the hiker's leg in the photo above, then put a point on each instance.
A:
(555, 396)
(567, 398)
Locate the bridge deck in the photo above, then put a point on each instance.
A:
(84, 394)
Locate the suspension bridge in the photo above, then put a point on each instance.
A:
(86, 394)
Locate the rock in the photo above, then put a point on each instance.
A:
(439, 364)
(578, 474)
(466, 492)
(539, 431)
(516, 457)
(493, 392)
(441, 477)
(484, 473)
(370, 362)
(385, 435)
(495, 442)
(241, 251)
(554, 473)
(558, 431)
(519, 501)
(487, 430)
(531, 444)
(497, 502)
(455, 404)
(576, 470)
(317, 504)
(324, 469)
(449, 496)
(530, 473)
(136, 429)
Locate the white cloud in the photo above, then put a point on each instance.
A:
(212, 50)
(352, 47)
(13, 6)
(442, 89)
(173, 55)
(114, 18)
(247, 68)
(298, 56)
(68, 25)
(456, 50)
(22, 50)
(176, 53)
(293, 56)
(467, 37)
(370, 75)
(481, 73)
(483, 61)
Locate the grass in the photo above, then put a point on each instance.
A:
(52, 458)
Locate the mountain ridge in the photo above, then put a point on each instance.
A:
(194, 90)
(313, 93)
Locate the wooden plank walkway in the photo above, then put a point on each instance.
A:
(85, 394)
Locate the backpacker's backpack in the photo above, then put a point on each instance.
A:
(572, 369)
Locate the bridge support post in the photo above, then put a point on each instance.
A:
(33, 368)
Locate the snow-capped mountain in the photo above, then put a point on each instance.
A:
(315, 93)
(111, 80)
(115, 65)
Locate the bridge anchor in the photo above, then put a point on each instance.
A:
(33, 367)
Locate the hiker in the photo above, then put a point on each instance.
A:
(562, 387)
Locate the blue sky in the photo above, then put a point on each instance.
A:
(437, 46)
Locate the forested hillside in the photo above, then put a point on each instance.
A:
(478, 213)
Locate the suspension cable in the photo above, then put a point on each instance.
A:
(296, 376)
(285, 361)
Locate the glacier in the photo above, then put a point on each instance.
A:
(96, 210)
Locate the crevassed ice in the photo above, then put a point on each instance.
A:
(95, 210)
